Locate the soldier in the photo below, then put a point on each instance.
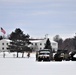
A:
(3, 55)
(36, 55)
(28, 55)
(14, 55)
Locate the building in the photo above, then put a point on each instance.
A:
(4, 45)
(40, 44)
(36, 45)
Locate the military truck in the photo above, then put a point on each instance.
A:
(44, 55)
(62, 55)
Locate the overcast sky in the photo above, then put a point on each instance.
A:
(39, 17)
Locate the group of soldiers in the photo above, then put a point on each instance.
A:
(58, 56)
(28, 55)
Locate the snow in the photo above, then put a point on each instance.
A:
(74, 56)
(28, 66)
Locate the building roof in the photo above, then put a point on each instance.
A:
(6, 40)
(40, 40)
(36, 41)
(53, 41)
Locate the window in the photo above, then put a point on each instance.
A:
(6, 43)
(7, 48)
(2, 48)
(2, 43)
(32, 43)
(40, 48)
(31, 48)
(35, 43)
(40, 43)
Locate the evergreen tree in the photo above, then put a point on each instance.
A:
(19, 42)
(48, 45)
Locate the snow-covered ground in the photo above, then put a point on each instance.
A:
(28, 66)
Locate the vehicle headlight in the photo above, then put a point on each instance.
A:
(40, 55)
(46, 55)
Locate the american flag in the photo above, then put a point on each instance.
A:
(3, 31)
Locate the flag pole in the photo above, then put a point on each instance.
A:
(3, 36)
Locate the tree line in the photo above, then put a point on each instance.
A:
(68, 44)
